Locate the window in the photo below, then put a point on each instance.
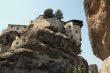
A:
(69, 26)
(17, 28)
(76, 31)
(11, 26)
(71, 37)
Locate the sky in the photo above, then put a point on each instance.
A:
(22, 11)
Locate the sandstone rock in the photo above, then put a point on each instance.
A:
(105, 68)
(98, 19)
(93, 68)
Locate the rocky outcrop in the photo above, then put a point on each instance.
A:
(98, 19)
(93, 68)
(6, 40)
(105, 68)
(42, 51)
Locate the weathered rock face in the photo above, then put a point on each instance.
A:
(42, 51)
(105, 68)
(6, 40)
(93, 68)
(98, 19)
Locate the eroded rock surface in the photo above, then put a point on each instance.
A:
(105, 68)
(6, 40)
(98, 19)
(42, 51)
(93, 68)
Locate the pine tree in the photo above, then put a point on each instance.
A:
(59, 14)
(48, 13)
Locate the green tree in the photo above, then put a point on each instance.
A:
(48, 13)
(59, 14)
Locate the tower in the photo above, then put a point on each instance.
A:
(73, 30)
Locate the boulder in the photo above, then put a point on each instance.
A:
(98, 20)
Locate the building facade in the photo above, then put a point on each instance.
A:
(73, 30)
(14, 27)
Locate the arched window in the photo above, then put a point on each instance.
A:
(76, 31)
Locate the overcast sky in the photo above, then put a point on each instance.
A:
(22, 11)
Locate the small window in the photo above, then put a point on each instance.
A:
(17, 28)
(69, 26)
(71, 37)
(11, 26)
(76, 31)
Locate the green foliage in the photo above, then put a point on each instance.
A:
(59, 14)
(48, 13)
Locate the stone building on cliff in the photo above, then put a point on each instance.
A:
(15, 27)
(46, 45)
(72, 28)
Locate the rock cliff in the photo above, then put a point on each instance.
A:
(40, 51)
(93, 68)
(105, 68)
(98, 19)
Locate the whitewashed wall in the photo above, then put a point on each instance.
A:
(74, 32)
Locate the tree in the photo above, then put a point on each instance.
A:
(48, 13)
(59, 14)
